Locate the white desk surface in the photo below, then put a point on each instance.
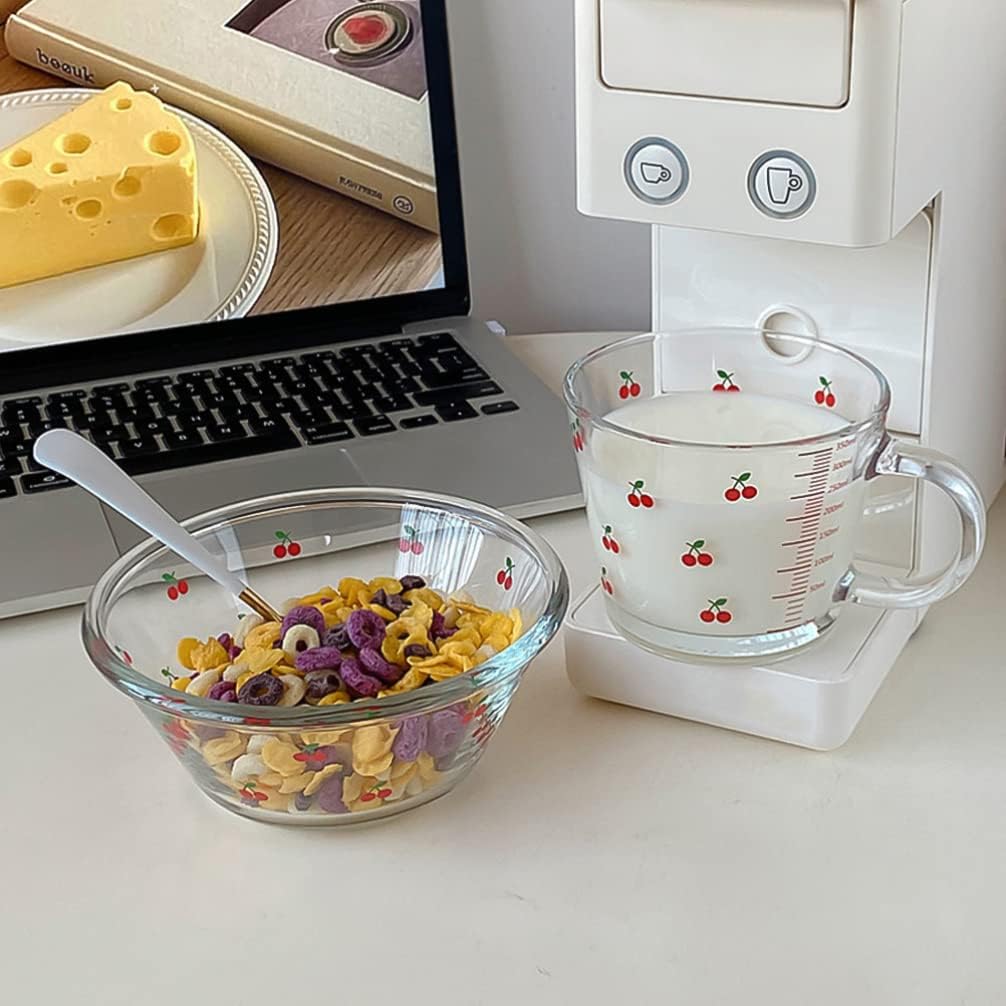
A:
(598, 854)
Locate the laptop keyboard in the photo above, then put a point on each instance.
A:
(241, 410)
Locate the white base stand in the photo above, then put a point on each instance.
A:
(813, 699)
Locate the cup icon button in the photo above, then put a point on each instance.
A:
(782, 184)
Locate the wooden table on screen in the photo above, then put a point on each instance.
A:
(332, 249)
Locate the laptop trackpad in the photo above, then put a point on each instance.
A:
(186, 493)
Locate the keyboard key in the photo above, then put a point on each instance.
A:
(484, 389)
(44, 481)
(9, 466)
(182, 441)
(498, 408)
(109, 434)
(268, 426)
(443, 379)
(12, 414)
(73, 395)
(416, 422)
(7, 488)
(10, 435)
(369, 427)
(455, 411)
(155, 382)
(153, 427)
(328, 433)
(139, 446)
(221, 433)
(398, 403)
(110, 389)
(209, 453)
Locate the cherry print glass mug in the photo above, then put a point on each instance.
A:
(725, 482)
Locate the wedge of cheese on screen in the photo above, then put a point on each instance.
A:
(113, 179)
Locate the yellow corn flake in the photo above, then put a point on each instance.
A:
(314, 784)
(493, 623)
(386, 583)
(324, 737)
(335, 699)
(277, 801)
(258, 661)
(205, 656)
(403, 768)
(296, 783)
(181, 684)
(449, 669)
(499, 641)
(353, 787)
(184, 652)
(263, 636)
(222, 749)
(518, 624)
(332, 612)
(420, 613)
(427, 768)
(355, 591)
(460, 647)
(327, 594)
(375, 767)
(472, 608)
(279, 756)
(244, 679)
(271, 779)
(379, 609)
(373, 740)
(426, 596)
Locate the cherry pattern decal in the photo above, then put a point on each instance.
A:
(379, 791)
(726, 382)
(251, 796)
(637, 498)
(177, 736)
(825, 395)
(410, 542)
(608, 542)
(474, 714)
(125, 655)
(505, 576)
(579, 444)
(717, 612)
(742, 488)
(312, 755)
(176, 588)
(606, 584)
(695, 556)
(287, 546)
(630, 386)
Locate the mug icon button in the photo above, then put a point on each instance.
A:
(782, 184)
(656, 171)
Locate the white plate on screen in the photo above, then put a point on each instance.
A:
(220, 276)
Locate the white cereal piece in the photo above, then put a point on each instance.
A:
(451, 616)
(487, 651)
(245, 625)
(293, 689)
(202, 683)
(233, 672)
(248, 766)
(415, 786)
(300, 634)
(257, 742)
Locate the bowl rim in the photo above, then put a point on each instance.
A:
(504, 665)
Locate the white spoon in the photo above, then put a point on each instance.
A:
(78, 459)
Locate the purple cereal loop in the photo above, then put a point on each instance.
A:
(411, 738)
(303, 615)
(223, 691)
(330, 796)
(445, 733)
(337, 637)
(262, 690)
(396, 604)
(438, 629)
(366, 629)
(302, 802)
(411, 583)
(360, 685)
(375, 664)
(234, 652)
(225, 640)
(318, 684)
(321, 658)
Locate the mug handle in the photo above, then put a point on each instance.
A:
(915, 462)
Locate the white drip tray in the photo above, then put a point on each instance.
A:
(814, 698)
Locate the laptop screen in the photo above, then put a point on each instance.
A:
(173, 162)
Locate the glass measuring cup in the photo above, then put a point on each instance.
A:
(725, 482)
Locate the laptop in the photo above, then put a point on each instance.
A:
(344, 355)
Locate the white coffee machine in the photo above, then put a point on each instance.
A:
(829, 167)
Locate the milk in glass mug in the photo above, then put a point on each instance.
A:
(725, 484)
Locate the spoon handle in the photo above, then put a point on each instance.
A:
(78, 459)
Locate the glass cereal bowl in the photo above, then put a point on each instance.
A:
(471, 594)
